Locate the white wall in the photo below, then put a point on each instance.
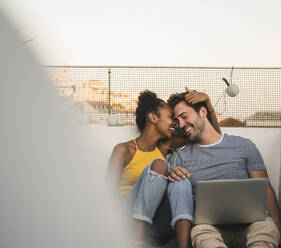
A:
(268, 141)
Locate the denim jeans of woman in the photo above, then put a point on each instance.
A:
(159, 203)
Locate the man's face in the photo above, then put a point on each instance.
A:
(190, 122)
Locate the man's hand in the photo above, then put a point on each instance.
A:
(178, 173)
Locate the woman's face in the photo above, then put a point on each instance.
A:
(165, 121)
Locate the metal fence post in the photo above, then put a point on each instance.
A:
(109, 89)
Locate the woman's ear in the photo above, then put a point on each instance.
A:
(152, 118)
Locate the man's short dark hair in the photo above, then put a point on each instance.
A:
(176, 98)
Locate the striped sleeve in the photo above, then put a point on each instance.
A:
(254, 158)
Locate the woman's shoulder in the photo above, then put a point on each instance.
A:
(125, 151)
(125, 147)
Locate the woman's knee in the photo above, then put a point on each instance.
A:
(181, 185)
(159, 166)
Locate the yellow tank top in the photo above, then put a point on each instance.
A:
(133, 170)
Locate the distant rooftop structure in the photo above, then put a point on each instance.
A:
(264, 118)
(231, 122)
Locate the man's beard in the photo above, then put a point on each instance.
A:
(197, 129)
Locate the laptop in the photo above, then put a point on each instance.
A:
(231, 201)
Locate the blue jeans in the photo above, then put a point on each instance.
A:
(159, 203)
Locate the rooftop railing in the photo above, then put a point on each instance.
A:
(97, 91)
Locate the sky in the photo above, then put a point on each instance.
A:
(150, 32)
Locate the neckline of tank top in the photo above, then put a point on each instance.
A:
(137, 146)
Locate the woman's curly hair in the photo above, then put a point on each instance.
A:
(148, 102)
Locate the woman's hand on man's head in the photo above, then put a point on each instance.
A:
(194, 97)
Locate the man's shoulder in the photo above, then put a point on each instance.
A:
(236, 138)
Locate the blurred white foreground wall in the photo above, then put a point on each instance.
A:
(50, 187)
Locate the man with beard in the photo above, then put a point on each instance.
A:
(209, 155)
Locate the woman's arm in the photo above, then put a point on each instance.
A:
(213, 116)
(117, 161)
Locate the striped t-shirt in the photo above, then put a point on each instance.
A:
(232, 157)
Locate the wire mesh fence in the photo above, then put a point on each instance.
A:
(97, 91)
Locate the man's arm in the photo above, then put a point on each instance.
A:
(272, 204)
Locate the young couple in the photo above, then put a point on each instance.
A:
(160, 199)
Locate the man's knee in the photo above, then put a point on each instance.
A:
(265, 232)
(205, 236)
(159, 166)
(204, 229)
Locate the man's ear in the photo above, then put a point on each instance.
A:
(203, 112)
(152, 118)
